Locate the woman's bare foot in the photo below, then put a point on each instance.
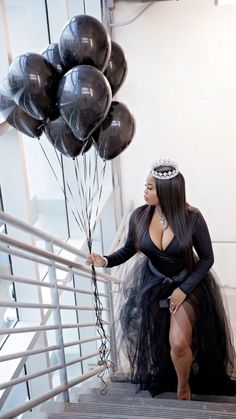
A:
(183, 393)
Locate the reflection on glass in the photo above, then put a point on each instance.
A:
(4, 58)
(108, 226)
(27, 25)
(45, 188)
(87, 91)
(8, 316)
(16, 397)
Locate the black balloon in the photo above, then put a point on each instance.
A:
(84, 40)
(51, 53)
(63, 139)
(84, 98)
(115, 133)
(116, 68)
(16, 117)
(34, 82)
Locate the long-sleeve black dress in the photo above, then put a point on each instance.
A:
(145, 318)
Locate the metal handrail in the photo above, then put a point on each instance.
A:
(55, 285)
(12, 278)
(41, 328)
(86, 271)
(37, 374)
(58, 390)
(47, 349)
(50, 258)
(51, 306)
(9, 219)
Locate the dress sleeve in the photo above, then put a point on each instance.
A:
(202, 244)
(125, 252)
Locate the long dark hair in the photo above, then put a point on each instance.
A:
(172, 198)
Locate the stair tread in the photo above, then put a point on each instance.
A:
(211, 398)
(145, 411)
(128, 390)
(95, 415)
(120, 377)
(123, 401)
(172, 395)
(122, 380)
(113, 396)
(121, 392)
(195, 404)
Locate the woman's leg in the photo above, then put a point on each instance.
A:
(180, 342)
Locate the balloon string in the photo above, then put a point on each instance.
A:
(82, 226)
(93, 192)
(47, 18)
(103, 350)
(84, 7)
(81, 192)
(103, 171)
(85, 178)
(63, 191)
(89, 177)
(88, 189)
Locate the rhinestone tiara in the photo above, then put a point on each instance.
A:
(164, 175)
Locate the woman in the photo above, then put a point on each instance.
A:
(173, 320)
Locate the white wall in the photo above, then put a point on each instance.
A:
(181, 87)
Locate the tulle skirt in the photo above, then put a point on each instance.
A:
(145, 324)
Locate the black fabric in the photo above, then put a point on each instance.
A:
(145, 318)
(145, 334)
(172, 260)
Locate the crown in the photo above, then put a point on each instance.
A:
(164, 175)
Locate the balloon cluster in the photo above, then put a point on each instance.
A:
(66, 92)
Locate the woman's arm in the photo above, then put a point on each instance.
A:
(121, 255)
(202, 244)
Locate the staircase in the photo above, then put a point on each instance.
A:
(62, 377)
(122, 401)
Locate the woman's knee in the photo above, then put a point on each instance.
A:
(178, 344)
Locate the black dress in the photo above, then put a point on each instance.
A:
(145, 317)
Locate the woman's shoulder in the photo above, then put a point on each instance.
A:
(193, 211)
(137, 212)
(195, 216)
(140, 209)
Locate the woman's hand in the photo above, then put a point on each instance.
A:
(96, 260)
(176, 299)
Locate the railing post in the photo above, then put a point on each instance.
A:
(57, 320)
(113, 333)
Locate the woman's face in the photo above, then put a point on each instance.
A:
(150, 194)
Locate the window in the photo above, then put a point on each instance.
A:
(8, 316)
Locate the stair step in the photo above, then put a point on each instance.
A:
(129, 390)
(92, 416)
(186, 410)
(116, 382)
(157, 403)
(120, 377)
(211, 398)
(122, 392)
(111, 398)
(123, 401)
